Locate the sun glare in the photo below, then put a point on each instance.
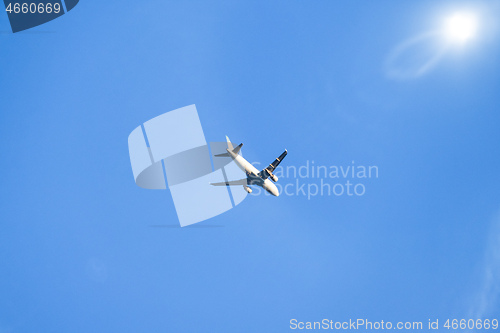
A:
(460, 27)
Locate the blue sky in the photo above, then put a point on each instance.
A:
(84, 249)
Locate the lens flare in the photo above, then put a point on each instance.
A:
(460, 27)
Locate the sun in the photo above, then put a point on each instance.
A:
(460, 27)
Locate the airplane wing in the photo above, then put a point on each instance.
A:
(265, 173)
(231, 182)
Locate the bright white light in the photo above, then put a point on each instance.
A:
(460, 27)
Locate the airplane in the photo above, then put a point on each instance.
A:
(254, 177)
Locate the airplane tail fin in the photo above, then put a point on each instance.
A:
(230, 147)
(229, 144)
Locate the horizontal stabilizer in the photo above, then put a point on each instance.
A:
(235, 151)
(222, 155)
(231, 183)
(238, 148)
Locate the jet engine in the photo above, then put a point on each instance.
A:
(248, 189)
(273, 177)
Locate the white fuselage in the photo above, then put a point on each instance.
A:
(253, 174)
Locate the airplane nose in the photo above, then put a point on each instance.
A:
(275, 192)
(271, 188)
